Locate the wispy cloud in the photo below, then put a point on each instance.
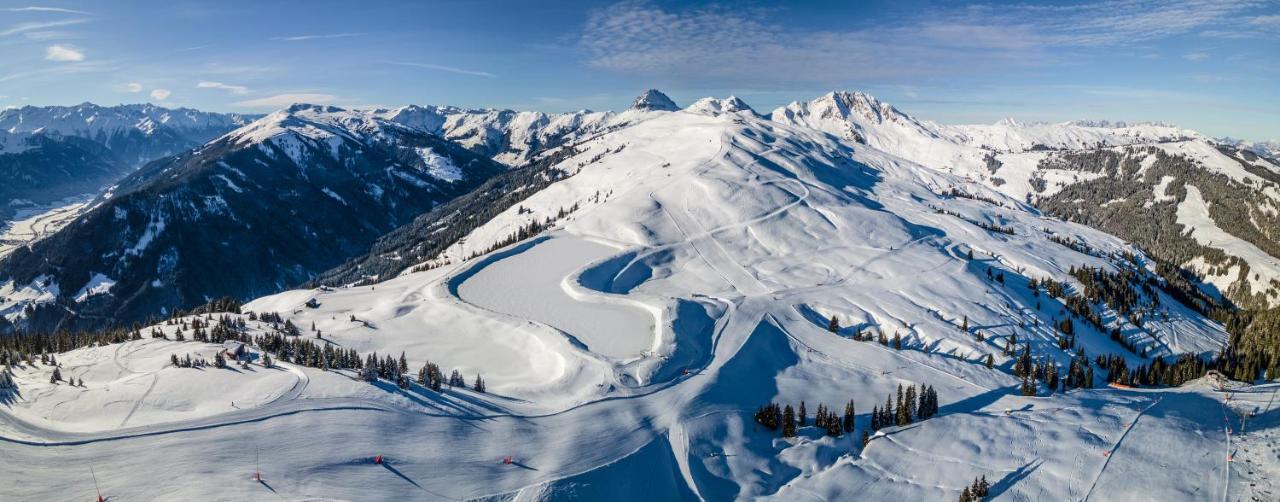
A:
(65, 69)
(1196, 56)
(300, 38)
(46, 9)
(160, 94)
(233, 89)
(748, 46)
(35, 26)
(63, 53)
(449, 69)
(284, 100)
(133, 87)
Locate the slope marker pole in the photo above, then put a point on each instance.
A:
(95, 483)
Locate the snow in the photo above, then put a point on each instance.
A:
(627, 347)
(1193, 215)
(439, 166)
(532, 285)
(99, 284)
(1161, 189)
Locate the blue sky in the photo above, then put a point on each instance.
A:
(1211, 65)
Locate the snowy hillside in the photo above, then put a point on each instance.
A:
(264, 207)
(632, 315)
(1037, 162)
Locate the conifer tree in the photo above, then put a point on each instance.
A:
(56, 377)
(788, 422)
(803, 415)
(991, 361)
(834, 325)
(479, 386)
(848, 416)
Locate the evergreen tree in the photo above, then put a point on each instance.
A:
(866, 437)
(804, 415)
(897, 340)
(991, 361)
(848, 416)
(404, 364)
(479, 386)
(788, 422)
(910, 403)
(834, 325)
(56, 377)
(901, 416)
(1028, 385)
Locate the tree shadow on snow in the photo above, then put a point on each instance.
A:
(1013, 478)
(977, 402)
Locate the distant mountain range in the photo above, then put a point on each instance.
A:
(52, 152)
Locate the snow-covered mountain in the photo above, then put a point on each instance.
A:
(1099, 173)
(134, 133)
(256, 210)
(630, 314)
(49, 153)
(515, 137)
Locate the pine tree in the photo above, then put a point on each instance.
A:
(479, 386)
(875, 418)
(991, 361)
(901, 415)
(404, 364)
(897, 340)
(788, 422)
(910, 403)
(1028, 385)
(834, 325)
(56, 377)
(803, 416)
(964, 326)
(848, 416)
(866, 437)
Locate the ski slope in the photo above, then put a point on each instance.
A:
(627, 348)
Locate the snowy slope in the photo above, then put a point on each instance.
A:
(692, 263)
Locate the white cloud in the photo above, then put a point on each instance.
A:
(160, 94)
(233, 89)
(1196, 56)
(25, 27)
(63, 53)
(449, 69)
(46, 9)
(284, 100)
(754, 46)
(134, 87)
(316, 37)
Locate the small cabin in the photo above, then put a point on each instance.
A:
(313, 304)
(234, 349)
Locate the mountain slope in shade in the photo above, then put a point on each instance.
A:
(261, 208)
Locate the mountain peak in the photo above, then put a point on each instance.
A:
(654, 100)
(731, 104)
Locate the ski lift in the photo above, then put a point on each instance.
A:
(377, 459)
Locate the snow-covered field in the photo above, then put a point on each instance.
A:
(627, 349)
